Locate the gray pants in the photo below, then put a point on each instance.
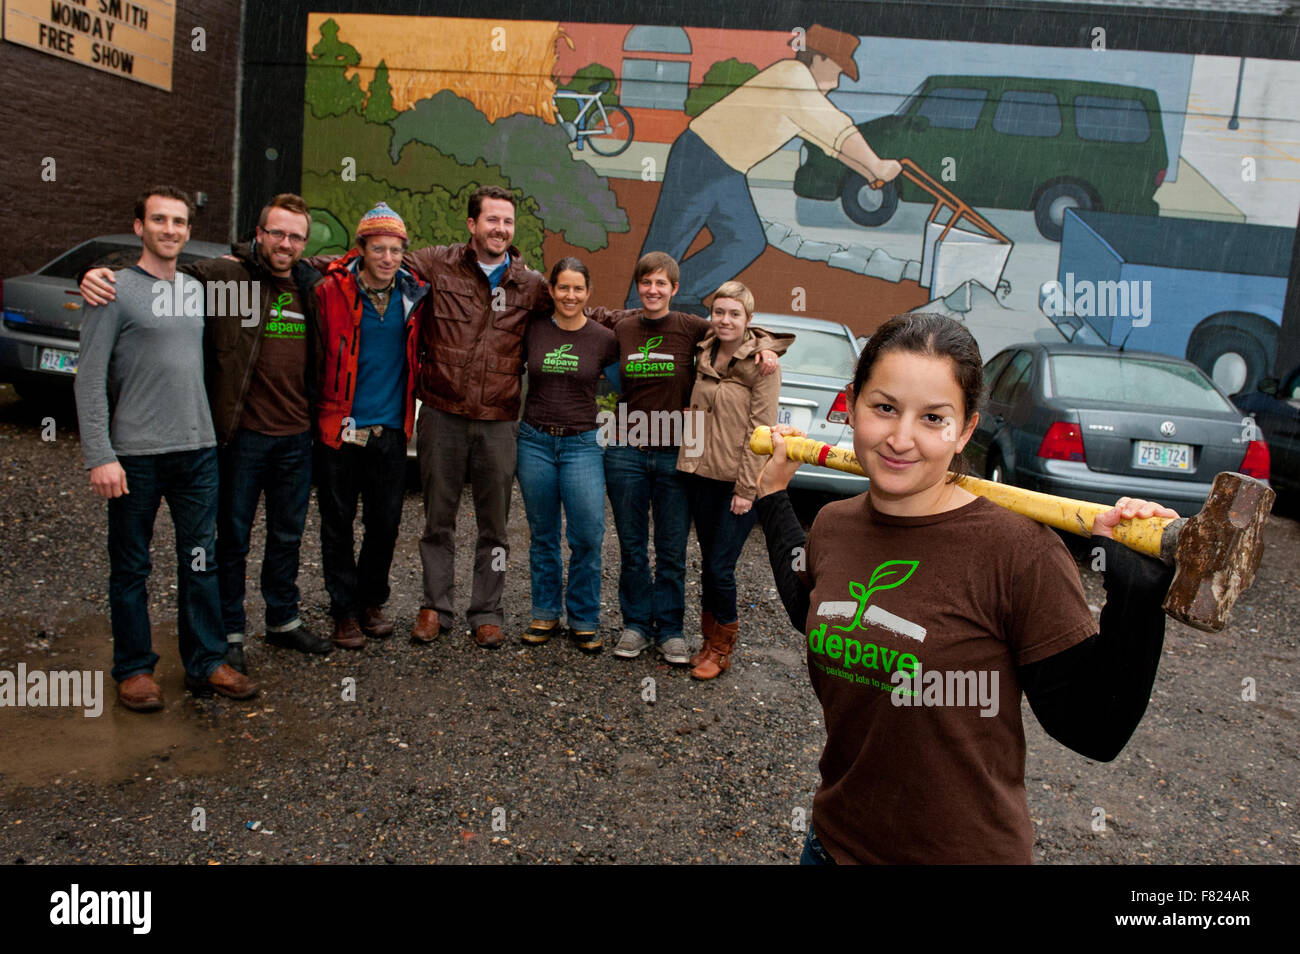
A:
(453, 449)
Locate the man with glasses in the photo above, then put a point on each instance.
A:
(261, 377)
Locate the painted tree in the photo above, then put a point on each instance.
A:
(329, 91)
(379, 104)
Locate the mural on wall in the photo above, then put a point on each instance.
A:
(1121, 197)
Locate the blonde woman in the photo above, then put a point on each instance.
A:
(730, 398)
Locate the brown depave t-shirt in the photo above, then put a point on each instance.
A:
(944, 606)
(276, 403)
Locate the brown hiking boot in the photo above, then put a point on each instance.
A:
(489, 636)
(375, 623)
(347, 634)
(225, 681)
(140, 693)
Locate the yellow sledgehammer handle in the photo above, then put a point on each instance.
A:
(1073, 516)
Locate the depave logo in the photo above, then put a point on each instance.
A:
(560, 361)
(285, 324)
(650, 364)
(75, 907)
(866, 657)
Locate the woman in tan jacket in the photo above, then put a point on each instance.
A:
(730, 399)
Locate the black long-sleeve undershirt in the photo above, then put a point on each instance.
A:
(1089, 697)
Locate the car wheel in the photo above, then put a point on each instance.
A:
(868, 206)
(997, 470)
(1234, 349)
(1049, 210)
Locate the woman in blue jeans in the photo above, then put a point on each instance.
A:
(561, 462)
(731, 397)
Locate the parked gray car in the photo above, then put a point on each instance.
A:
(815, 371)
(40, 334)
(1097, 424)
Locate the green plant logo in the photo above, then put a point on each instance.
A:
(277, 309)
(888, 575)
(654, 342)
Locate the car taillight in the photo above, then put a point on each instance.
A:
(1160, 177)
(839, 412)
(1064, 441)
(1256, 463)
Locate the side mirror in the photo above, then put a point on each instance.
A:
(1268, 386)
(919, 123)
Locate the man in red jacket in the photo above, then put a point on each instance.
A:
(368, 310)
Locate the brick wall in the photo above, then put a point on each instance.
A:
(111, 137)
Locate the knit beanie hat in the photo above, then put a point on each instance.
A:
(381, 220)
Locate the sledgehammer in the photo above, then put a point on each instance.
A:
(1214, 554)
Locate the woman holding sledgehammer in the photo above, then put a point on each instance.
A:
(928, 610)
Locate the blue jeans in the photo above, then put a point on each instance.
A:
(188, 480)
(568, 472)
(700, 190)
(722, 536)
(638, 482)
(813, 852)
(253, 464)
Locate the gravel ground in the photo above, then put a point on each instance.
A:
(451, 753)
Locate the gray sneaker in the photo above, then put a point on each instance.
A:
(674, 651)
(630, 644)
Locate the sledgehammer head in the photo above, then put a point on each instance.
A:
(1218, 551)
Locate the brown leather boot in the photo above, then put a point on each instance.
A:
(707, 624)
(718, 658)
(140, 693)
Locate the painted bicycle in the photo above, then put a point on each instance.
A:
(607, 129)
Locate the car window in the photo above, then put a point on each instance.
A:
(1108, 119)
(953, 107)
(995, 366)
(821, 353)
(84, 256)
(1027, 113)
(1008, 387)
(1144, 382)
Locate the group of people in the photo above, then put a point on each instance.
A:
(214, 411)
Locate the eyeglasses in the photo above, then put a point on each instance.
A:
(278, 236)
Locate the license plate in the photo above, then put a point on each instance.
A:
(1164, 456)
(55, 360)
(799, 418)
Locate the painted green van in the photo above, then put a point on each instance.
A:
(1009, 142)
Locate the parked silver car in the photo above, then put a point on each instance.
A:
(815, 371)
(40, 334)
(1097, 424)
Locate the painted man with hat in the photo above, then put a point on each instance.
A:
(704, 184)
(369, 311)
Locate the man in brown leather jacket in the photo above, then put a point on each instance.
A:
(471, 359)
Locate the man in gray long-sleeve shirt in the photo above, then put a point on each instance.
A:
(146, 434)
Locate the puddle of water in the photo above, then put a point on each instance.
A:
(44, 745)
